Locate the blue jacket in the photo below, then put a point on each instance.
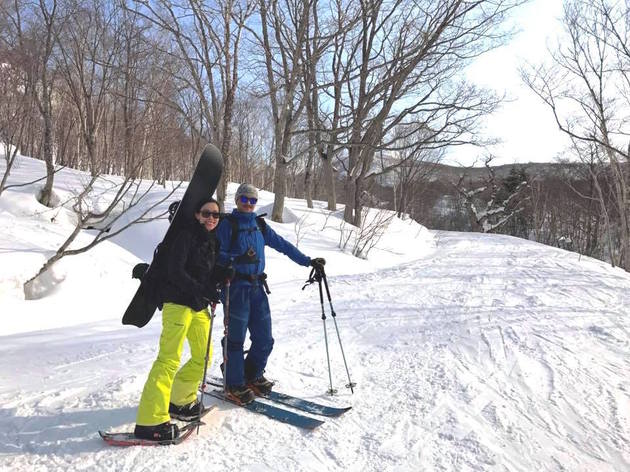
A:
(250, 237)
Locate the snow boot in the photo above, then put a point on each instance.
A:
(240, 394)
(189, 412)
(159, 432)
(261, 386)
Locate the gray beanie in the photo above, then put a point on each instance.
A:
(246, 189)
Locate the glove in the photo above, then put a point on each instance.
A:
(318, 263)
(223, 274)
(139, 270)
(213, 297)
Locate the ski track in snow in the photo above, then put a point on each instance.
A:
(493, 353)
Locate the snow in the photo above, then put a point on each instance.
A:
(470, 352)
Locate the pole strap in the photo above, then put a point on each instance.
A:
(316, 275)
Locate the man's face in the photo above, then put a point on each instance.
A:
(246, 204)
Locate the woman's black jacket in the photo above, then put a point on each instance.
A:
(190, 264)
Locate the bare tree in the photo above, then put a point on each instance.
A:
(207, 40)
(412, 167)
(587, 88)
(320, 38)
(331, 80)
(89, 45)
(32, 28)
(401, 63)
(131, 70)
(253, 140)
(374, 224)
(108, 222)
(15, 107)
(284, 33)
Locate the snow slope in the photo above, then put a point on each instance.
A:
(471, 352)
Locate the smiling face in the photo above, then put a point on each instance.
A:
(244, 204)
(208, 216)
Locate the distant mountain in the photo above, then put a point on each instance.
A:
(453, 173)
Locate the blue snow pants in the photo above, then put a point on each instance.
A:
(249, 309)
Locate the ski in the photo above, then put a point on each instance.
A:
(129, 439)
(272, 411)
(295, 402)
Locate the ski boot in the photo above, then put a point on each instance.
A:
(240, 395)
(159, 432)
(261, 386)
(189, 412)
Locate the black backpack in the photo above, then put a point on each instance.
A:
(260, 222)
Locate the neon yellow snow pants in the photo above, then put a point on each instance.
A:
(165, 382)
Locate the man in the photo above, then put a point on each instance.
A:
(242, 240)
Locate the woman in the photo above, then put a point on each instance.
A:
(189, 288)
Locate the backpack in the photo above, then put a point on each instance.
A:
(260, 222)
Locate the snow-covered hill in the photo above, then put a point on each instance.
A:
(471, 352)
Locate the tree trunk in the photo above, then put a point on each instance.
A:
(308, 174)
(329, 179)
(358, 206)
(279, 188)
(348, 212)
(225, 148)
(46, 195)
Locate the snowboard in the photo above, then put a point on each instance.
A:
(202, 184)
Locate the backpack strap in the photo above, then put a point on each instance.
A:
(260, 222)
(234, 229)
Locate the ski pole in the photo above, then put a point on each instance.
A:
(331, 391)
(351, 384)
(226, 319)
(205, 366)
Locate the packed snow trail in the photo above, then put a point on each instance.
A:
(493, 353)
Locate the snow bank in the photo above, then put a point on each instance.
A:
(97, 285)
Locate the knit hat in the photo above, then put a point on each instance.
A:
(246, 189)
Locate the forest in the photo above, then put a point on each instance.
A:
(353, 102)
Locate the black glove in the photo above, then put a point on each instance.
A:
(318, 263)
(213, 297)
(139, 270)
(223, 274)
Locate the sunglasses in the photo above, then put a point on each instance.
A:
(251, 200)
(208, 214)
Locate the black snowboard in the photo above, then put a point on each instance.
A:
(203, 183)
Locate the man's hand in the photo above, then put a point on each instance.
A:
(318, 263)
(224, 274)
